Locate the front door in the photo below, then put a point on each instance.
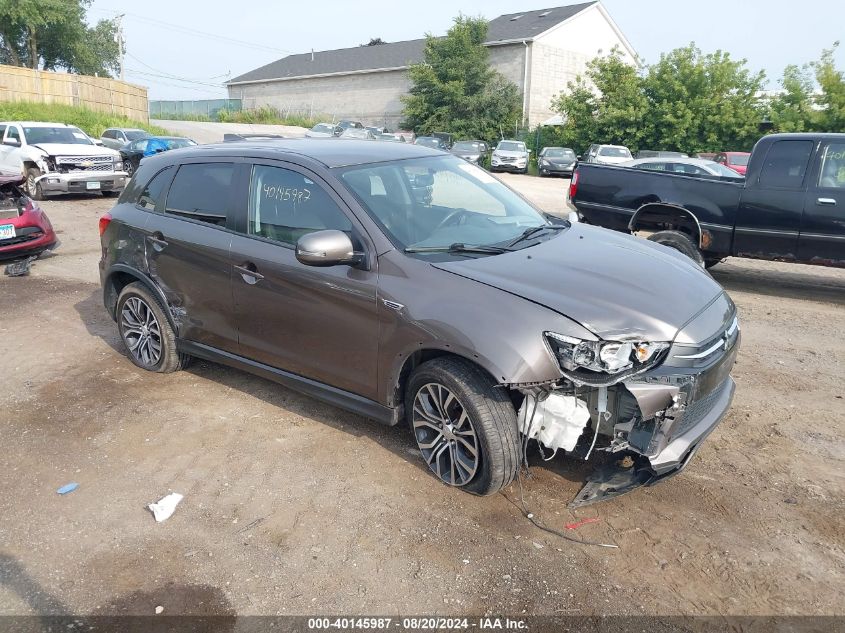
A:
(320, 323)
(187, 251)
(770, 209)
(822, 238)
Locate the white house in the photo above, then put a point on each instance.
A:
(540, 51)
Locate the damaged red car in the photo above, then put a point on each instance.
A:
(25, 229)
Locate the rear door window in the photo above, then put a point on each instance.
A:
(202, 191)
(284, 205)
(786, 164)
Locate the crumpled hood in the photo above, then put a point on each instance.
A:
(613, 284)
(72, 149)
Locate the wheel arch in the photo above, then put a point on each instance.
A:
(120, 276)
(399, 378)
(668, 216)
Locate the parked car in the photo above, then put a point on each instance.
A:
(788, 207)
(405, 136)
(322, 130)
(58, 158)
(510, 156)
(359, 133)
(25, 229)
(430, 141)
(472, 317)
(133, 152)
(346, 124)
(376, 130)
(554, 161)
(445, 139)
(738, 161)
(607, 154)
(683, 166)
(472, 151)
(387, 137)
(706, 155)
(652, 153)
(117, 137)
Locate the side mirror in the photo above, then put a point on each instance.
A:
(326, 248)
(12, 141)
(573, 217)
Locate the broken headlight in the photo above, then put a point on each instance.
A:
(603, 362)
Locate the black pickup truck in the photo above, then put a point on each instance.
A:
(789, 207)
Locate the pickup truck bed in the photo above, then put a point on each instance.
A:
(790, 207)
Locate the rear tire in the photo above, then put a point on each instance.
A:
(33, 189)
(454, 408)
(146, 333)
(709, 262)
(111, 194)
(680, 242)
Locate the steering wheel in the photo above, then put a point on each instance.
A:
(450, 218)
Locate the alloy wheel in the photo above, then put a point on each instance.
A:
(445, 434)
(141, 331)
(31, 186)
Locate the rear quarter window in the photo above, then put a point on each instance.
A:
(786, 164)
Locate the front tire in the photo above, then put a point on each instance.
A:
(680, 242)
(146, 333)
(33, 189)
(464, 425)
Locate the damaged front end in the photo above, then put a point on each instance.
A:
(649, 405)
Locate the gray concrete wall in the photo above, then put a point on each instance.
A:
(510, 61)
(551, 69)
(372, 98)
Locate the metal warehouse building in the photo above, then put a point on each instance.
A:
(540, 51)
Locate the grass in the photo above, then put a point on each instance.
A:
(91, 122)
(265, 115)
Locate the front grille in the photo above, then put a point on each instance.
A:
(84, 163)
(696, 411)
(508, 159)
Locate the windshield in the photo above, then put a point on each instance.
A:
(559, 153)
(720, 169)
(437, 202)
(738, 160)
(176, 143)
(511, 146)
(70, 135)
(465, 146)
(323, 127)
(134, 135)
(615, 152)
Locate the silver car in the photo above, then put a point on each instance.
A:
(510, 156)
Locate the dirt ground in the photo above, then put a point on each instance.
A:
(294, 507)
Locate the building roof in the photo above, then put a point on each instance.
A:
(524, 25)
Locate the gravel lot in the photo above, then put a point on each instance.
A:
(292, 506)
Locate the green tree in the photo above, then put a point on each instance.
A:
(792, 110)
(53, 34)
(831, 100)
(701, 102)
(609, 105)
(454, 89)
(687, 102)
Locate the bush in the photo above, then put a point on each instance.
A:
(91, 122)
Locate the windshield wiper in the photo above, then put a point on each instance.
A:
(533, 231)
(459, 248)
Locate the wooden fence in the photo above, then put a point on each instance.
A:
(95, 93)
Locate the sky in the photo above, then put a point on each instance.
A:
(186, 49)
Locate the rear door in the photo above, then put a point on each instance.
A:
(187, 250)
(770, 208)
(822, 238)
(321, 323)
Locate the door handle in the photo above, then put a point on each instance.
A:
(249, 274)
(828, 201)
(158, 241)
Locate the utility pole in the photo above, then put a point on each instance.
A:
(118, 22)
